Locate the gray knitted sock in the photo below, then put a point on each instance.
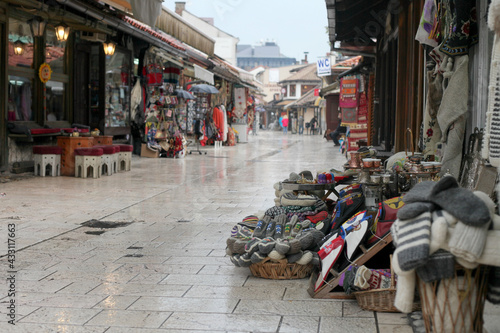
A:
(280, 226)
(235, 260)
(252, 245)
(282, 246)
(257, 257)
(295, 246)
(293, 258)
(306, 258)
(239, 246)
(260, 229)
(441, 265)
(267, 245)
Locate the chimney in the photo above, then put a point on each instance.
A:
(180, 6)
(305, 58)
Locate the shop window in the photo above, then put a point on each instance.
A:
(117, 98)
(292, 90)
(55, 101)
(19, 107)
(54, 52)
(20, 36)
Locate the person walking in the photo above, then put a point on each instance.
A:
(301, 125)
(313, 123)
(285, 124)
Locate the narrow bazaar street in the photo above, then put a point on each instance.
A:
(166, 268)
(166, 271)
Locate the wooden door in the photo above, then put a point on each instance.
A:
(81, 95)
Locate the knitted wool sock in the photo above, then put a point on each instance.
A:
(306, 258)
(242, 232)
(275, 255)
(414, 209)
(293, 258)
(252, 245)
(280, 226)
(266, 245)
(349, 277)
(493, 294)
(229, 252)
(305, 224)
(405, 290)
(464, 205)
(363, 274)
(315, 260)
(441, 265)
(306, 240)
(239, 246)
(230, 243)
(467, 241)
(282, 246)
(257, 257)
(295, 246)
(296, 228)
(235, 260)
(289, 226)
(260, 229)
(271, 227)
(244, 260)
(413, 239)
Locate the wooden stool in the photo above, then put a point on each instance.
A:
(125, 157)
(45, 156)
(108, 159)
(88, 158)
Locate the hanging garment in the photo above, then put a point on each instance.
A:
(426, 24)
(460, 26)
(349, 91)
(491, 141)
(225, 128)
(432, 132)
(452, 112)
(135, 98)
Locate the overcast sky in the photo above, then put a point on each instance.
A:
(297, 26)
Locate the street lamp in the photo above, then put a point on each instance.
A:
(37, 26)
(18, 47)
(109, 47)
(62, 32)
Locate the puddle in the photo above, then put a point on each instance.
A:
(105, 224)
(96, 232)
(135, 255)
(134, 248)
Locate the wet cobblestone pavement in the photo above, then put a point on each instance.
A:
(152, 258)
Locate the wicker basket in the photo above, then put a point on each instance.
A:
(280, 270)
(380, 300)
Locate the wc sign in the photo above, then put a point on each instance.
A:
(323, 66)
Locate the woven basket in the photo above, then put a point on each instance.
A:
(280, 270)
(380, 300)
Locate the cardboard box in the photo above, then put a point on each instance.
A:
(146, 152)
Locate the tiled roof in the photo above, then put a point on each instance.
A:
(306, 74)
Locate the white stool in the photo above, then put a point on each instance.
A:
(217, 144)
(85, 158)
(125, 157)
(47, 156)
(108, 159)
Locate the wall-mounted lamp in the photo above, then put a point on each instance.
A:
(37, 26)
(62, 32)
(18, 47)
(109, 47)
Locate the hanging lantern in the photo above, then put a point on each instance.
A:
(18, 47)
(109, 47)
(62, 32)
(37, 26)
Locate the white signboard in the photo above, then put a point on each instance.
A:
(274, 75)
(323, 66)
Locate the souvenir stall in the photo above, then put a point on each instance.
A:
(163, 111)
(353, 103)
(239, 113)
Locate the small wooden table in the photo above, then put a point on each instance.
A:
(69, 144)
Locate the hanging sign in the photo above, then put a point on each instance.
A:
(45, 72)
(323, 66)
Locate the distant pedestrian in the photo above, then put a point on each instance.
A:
(284, 122)
(301, 125)
(313, 123)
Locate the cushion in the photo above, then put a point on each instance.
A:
(88, 151)
(36, 131)
(117, 148)
(50, 150)
(126, 148)
(107, 149)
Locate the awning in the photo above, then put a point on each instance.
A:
(283, 103)
(203, 74)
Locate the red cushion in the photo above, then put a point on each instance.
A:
(107, 149)
(126, 148)
(35, 131)
(53, 150)
(117, 148)
(88, 151)
(71, 130)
